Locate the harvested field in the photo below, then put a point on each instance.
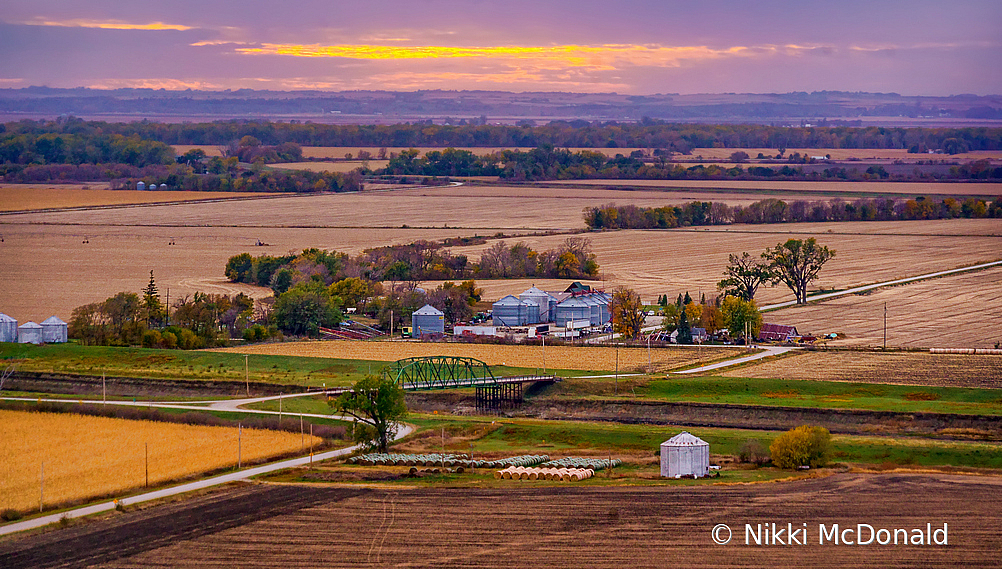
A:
(906, 368)
(268, 526)
(906, 188)
(655, 262)
(339, 166)
(119, 259)
(21, 197)
(88, 456)
(557, 357)
(915, 314)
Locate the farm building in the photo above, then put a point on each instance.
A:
(699, 336)
(777, 332)
(685, 455)
(54, 330)
(513, 311)
(141, 186)
(8, 328)
(428, 320)
(29, 333)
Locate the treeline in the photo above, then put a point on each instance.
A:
(778, 211)
(549, 163)
(648, 133)
(81, 148)
(217, 175)
(420, 260)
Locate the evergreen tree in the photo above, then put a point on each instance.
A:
(684, 329)
(688, 299)
(151, 303)
(678, 302)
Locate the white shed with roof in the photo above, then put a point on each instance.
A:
(8, 328)
(54, 330)
(685, 455)
(29, 333)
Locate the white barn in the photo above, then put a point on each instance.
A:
(54, 330)
(8, 328)
(685, 455)
(29, 333)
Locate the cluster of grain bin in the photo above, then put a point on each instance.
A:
(52, 330)
(513, 311)
(141, 186)
(428, 320)
(685, 455)
(592, 307)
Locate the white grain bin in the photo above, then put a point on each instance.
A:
(54, 330)
(8, 328)
(510, 311)
(29, 333)
(572, 309)
(152, 187)
(141, 186)
(685, 455)
(428, 320)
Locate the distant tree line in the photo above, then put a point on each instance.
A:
(417, 261)
(682, 138)
(778, 211)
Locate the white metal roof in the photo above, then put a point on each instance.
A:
(510, 301)
(429, 310)
(30, 325)
(51, 320)
(5, 318)
(685, 439)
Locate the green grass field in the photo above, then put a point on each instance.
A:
(296, 371)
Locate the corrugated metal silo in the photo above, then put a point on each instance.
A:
(685, 455)
(531, 312)
(595, 313)
(8, 328)
(428, 320)
(54, 330)
(572, 309)
(140, 186)
(29, 333)
(542, 300)
(510, 311)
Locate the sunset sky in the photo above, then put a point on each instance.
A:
(914, 47)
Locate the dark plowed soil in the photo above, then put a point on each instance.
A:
(292, 526)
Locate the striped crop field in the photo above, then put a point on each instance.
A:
(86, 457)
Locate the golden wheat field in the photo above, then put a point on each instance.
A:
(960, 311)
(116, 259)
(87, 457)
(20, 197)
(908, 368)
(557, 357)
(675, 261)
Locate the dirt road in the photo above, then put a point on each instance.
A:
(522, 526)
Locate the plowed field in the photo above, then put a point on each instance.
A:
(908, 368)
(270, 526)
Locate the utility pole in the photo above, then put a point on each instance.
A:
(240, 431)
(247, 373)
(391, 324)
(885, 325)
(617, 368)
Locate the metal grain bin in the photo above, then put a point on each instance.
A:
(572, 309)
(54, 330)
(428, 320)
(685, 455)
(29, 333)
(510, 311)
(8, 328)
(542, 300)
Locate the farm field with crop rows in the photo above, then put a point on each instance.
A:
(905, 188)
(962, 310)
(89, 456)
(557, 357)
(20, 197)
(906, 368)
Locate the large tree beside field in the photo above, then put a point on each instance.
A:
(378, 402)
(627, 312)
(743, 275)
(797, 263)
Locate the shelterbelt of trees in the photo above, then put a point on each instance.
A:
(648, 133)
(778, 211)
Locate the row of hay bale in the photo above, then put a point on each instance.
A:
(444, 460)
(534, 473)
(580, 462)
